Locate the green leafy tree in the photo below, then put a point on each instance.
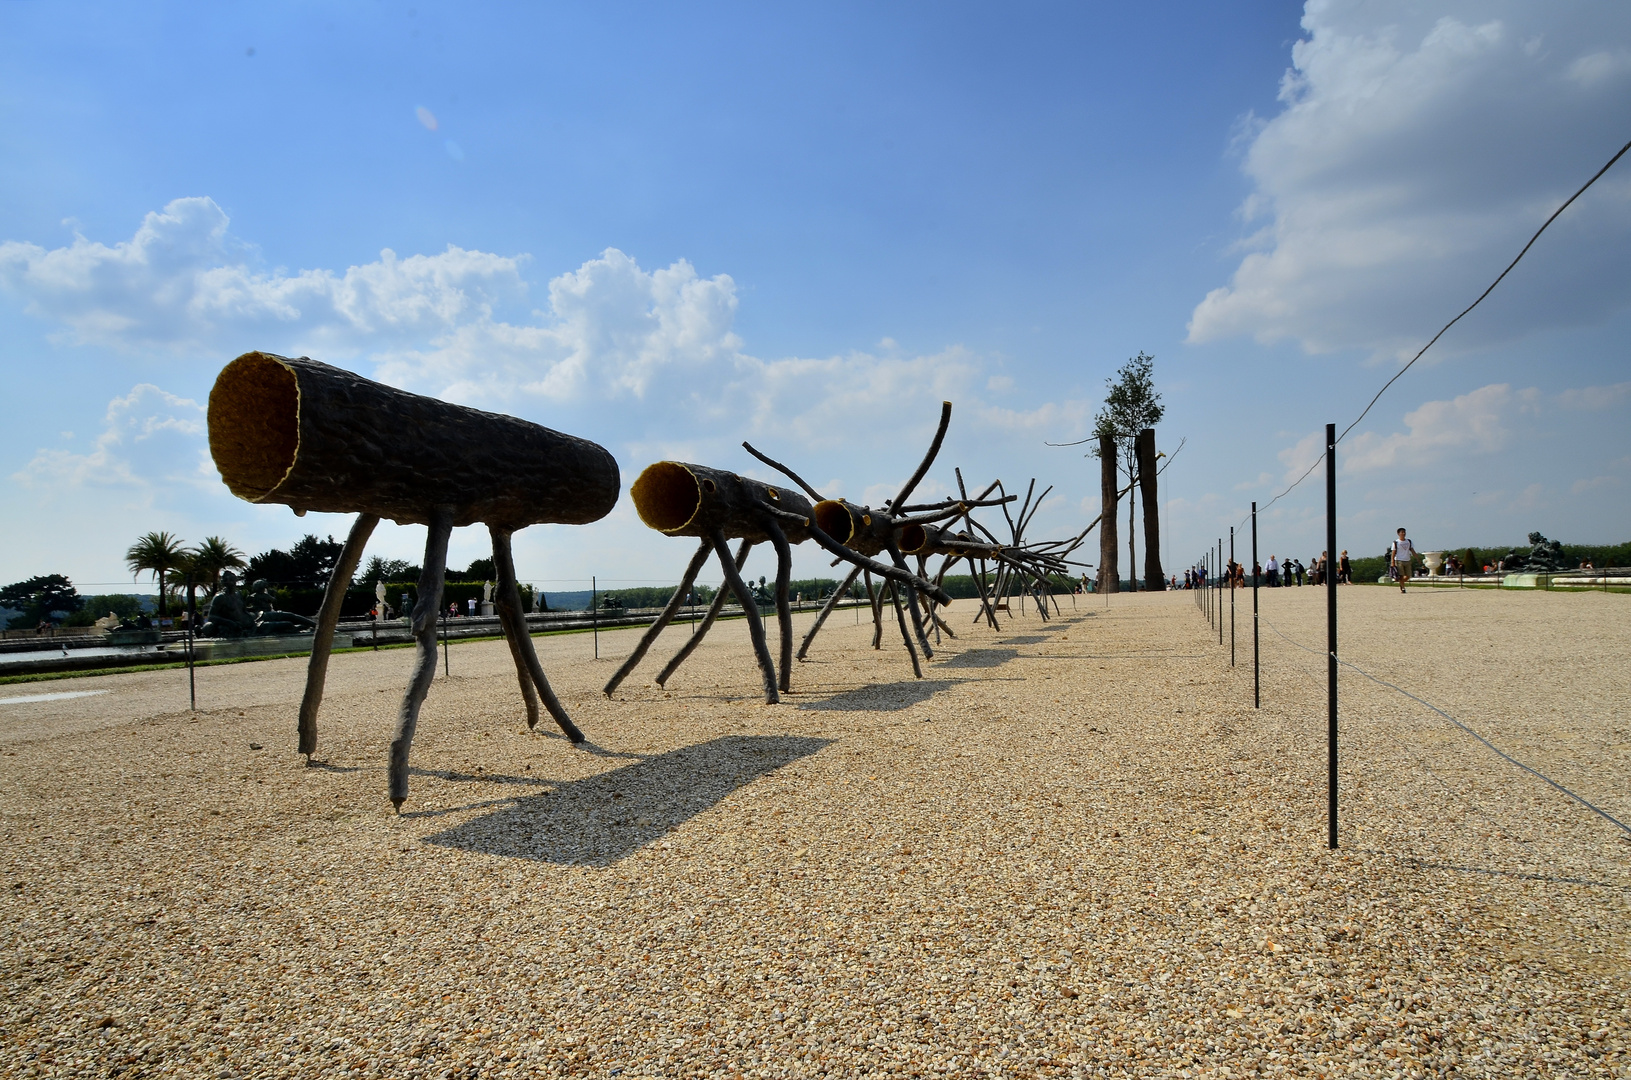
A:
(306, 565)
(1131, 405)
(212, 558)
(50, 597)
(157, 553)
(388, 570)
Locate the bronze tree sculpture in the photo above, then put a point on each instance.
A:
(315, 437)
(680, 499)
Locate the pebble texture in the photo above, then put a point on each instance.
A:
(1074, 849)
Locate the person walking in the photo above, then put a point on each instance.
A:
(1345, 570)
(1399, 557)
(1272, 572)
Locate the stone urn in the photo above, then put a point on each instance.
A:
(1435, 563)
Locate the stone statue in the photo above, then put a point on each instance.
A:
(1545, 557)
(227, 616)
(379, 599)
(268, 619)
(487, 593)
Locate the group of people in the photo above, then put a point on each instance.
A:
(1278, 572)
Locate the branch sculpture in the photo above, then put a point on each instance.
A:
(680, 499)
(310, 436)
(866, 531)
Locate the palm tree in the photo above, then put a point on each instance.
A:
(157, 553)
(209, 559)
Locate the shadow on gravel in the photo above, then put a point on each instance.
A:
(602, 819)
(1024, 639)
(887, 697)
(981, 658)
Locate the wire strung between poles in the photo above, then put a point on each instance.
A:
(1465, 311)
(1605, 815)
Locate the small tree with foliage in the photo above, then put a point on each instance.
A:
(1132, 405)
(157, 553)
(45, 598)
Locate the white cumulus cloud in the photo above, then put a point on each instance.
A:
(1477, 421)
(150, 438)
(1417, 148)
(183, 282)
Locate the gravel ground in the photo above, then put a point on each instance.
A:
(1073, 849)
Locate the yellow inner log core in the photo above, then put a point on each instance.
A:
(666, 496)
(254, 421)
(833, 518)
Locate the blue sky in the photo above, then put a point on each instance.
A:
(669, 229)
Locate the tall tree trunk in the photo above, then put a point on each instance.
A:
(1109, 486)
(1132, 528)
(1154, 579)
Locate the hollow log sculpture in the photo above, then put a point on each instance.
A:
(865, 531)
(680, 499)
(309, 436)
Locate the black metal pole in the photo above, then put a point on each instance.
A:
(594, 612)
(192, 618)
(447, 660)
(1331, 631)
(1231, 573)
(1257, 664)
(1219, 597)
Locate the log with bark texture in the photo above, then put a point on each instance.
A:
(1154, 579)
(680, 499)
(1109, 556)
(425, 610)
(315, 437)
(328, 617)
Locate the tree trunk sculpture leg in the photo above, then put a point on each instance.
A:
(674, 604)
(935, 621)
(877, 611)
(911, 603)
(827, 609)
(905, 631)
(328, 617)
(504, 565)
(978, 574)
(512, 637)
(784, 612)
(425, 610)
(714, 608)
(750, 608)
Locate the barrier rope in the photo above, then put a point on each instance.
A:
(1605, 815)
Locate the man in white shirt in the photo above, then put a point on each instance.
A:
(1272, 572)
(1399, 558)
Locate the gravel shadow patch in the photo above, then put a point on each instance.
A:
(889, 697)
(1024, 639)
(601, 819)
(981, 658)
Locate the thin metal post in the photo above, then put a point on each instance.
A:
(1231, 573)
(447, 660)
(594, 612)
(192, 618)
(1257, 664)
(1331, 631)
(1219, 597)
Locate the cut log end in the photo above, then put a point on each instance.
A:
(254, 424)
(834, 518)
(396, 803)
(667, 496)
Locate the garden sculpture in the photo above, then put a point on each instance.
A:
(311, 437)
